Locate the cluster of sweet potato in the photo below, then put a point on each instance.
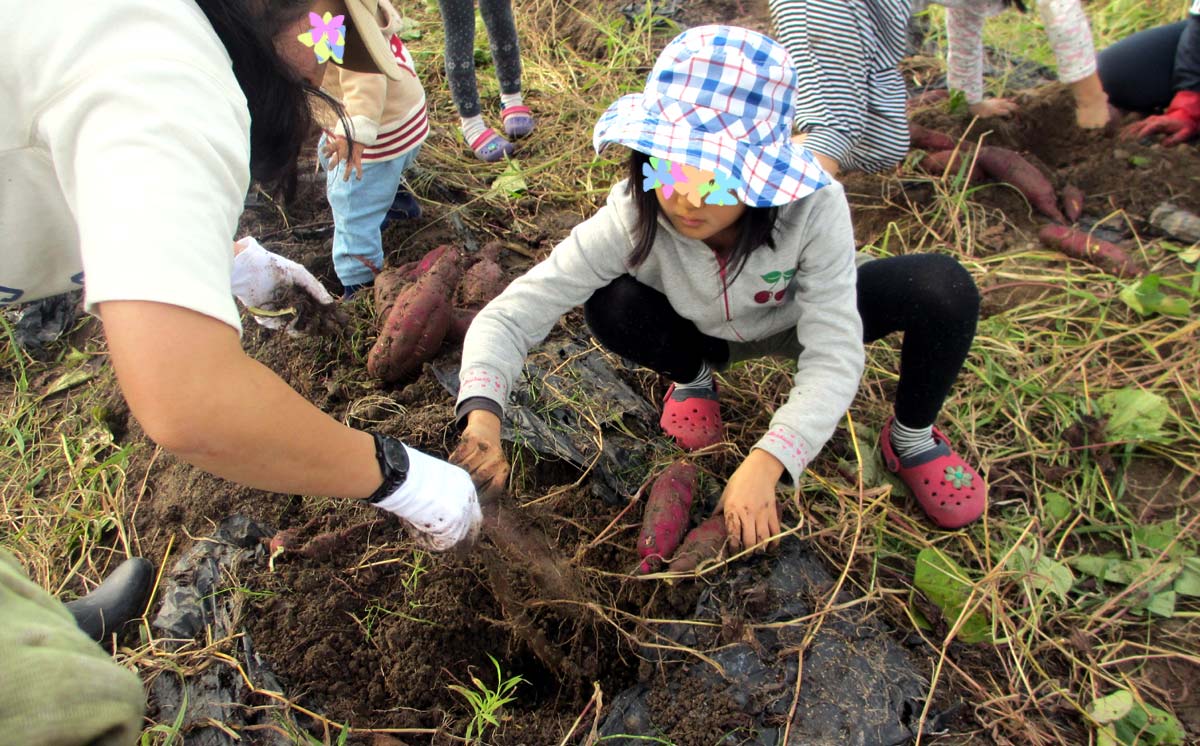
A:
(946, 157)
(424, 303)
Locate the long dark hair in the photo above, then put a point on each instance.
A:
(280, 101)
(757, 223)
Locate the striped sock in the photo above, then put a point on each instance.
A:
(511, 99)
(473, 127)
(911, 441)
(702, 382)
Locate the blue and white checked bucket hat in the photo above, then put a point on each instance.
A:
(720, 98)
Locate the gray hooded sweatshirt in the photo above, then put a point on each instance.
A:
(817, 304)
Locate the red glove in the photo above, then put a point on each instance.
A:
(1180, 123)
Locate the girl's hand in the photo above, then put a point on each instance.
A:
(993, 107)
(1091, 103)
(480, 453)
(339, 149)
(751, 511)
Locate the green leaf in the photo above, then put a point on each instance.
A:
(1058, 505)
(1043, 574)
(947, 585)
(1145, 297)
(1127, 722)
(1190, 254)
(957, 102)
(1188, 582)
(511, 182)
(772, 277)
(1134, 414)
(1159, 604)
(1159, 537)
(70, 379)
(1111, 708)
(1139, 160)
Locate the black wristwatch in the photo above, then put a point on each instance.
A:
(393, 463)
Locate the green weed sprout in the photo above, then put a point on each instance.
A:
(485, 703)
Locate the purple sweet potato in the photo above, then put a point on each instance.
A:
(417, 322)
(666, 515)
(1011, 168)
(410, 271)
(927, 139)
(460, 321)
(703, 542)
(947, 164)
(1072, 202)
(1078, 244)
(484, 280)
(388, 285)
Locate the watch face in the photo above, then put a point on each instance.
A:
(395, 456)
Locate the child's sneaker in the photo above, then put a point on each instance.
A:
(950, 492)
(490, 146)
(518, 121)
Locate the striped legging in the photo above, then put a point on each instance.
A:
(850, 98)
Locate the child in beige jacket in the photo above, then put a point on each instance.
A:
(388, 122)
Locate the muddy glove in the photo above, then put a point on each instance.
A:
(437, 500)
(262, 281)
(1180, 123)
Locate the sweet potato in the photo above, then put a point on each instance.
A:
(460, 321)
(948, 164)
(666, 515)
(1011, 168)
(702, 543)
(484, 280)
(388, 285)
(410, 271)
(1072, 202)
(927, 139)
(1079, 245)
(417, 322)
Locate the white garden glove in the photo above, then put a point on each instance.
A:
(437, 500)
(261, 279)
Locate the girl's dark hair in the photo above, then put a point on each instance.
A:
(1018, 4)
(280, 101)
(757, 223)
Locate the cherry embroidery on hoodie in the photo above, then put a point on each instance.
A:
(773, 279)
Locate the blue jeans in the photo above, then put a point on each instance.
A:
(359, 208)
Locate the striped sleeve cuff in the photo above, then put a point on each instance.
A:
(829, 143)
(786, 445)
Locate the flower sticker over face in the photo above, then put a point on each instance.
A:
(697, 186)
(327, 37)
(661, 173)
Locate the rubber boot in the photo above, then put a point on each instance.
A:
(121, 597)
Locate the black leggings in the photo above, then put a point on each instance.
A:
(929, 297)
(1137, 71)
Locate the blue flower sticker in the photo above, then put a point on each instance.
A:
(721, 191)
(658, 173)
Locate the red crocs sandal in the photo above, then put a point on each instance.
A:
(950, 492)
(518, 121)
(490, 146)
(693, 421)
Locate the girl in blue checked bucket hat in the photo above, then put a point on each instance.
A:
(728, 242)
